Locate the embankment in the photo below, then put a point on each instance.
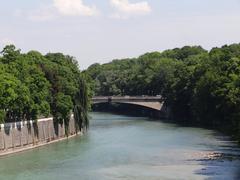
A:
(20, 136)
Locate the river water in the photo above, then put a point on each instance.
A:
(122, 147)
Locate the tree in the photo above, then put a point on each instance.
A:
(199, 87)
(33, 85)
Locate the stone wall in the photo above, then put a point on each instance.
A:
(22, 135)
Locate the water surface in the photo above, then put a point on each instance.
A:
(122, 147)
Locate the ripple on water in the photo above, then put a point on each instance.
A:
(122, 147)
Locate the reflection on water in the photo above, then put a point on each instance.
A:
(122, 147)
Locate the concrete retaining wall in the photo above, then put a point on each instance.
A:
(23, 135)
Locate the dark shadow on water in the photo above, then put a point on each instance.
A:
(222, 163)
(216, 169)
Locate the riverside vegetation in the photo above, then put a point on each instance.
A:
(201, 87)
(33, 86)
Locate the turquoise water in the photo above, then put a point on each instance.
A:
(122, 147)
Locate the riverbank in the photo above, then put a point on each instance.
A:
(122, 147)
(23, 136)
(18, 150)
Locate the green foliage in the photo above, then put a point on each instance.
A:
(2, 116)
(81, 105)
(33, 85)
(64, 105)
(200, 87)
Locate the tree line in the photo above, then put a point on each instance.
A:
(200, 87)
(33, 85)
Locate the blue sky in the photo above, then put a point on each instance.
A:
(102, 30)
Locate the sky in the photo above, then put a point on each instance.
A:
(98, 31)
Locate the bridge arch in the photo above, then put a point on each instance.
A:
(151, 102)
(157, 106)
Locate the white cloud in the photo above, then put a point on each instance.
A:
(74, 8)
(125, 8)
(59, 8)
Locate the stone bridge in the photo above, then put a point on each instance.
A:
(152, 102)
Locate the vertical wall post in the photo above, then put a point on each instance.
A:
(21, 134)
(43, 131)
(32, 131)
(13, 136)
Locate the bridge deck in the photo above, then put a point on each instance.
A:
(158, 98)
(153, 102)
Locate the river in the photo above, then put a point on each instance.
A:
(123, 147)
